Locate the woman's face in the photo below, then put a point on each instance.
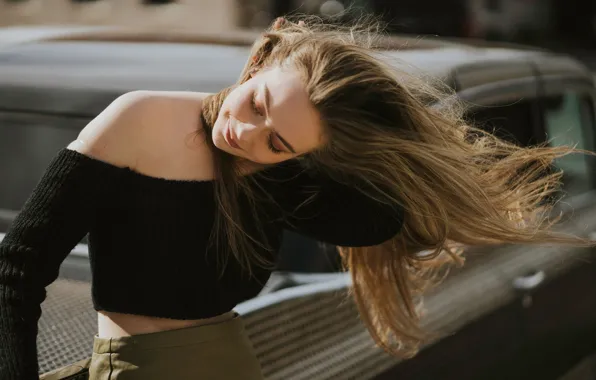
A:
(268, 119)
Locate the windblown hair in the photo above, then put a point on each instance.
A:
(408, 139)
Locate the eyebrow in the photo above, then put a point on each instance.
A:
(267, 104)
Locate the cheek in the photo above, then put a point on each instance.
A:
(234, 102)
(219, 125)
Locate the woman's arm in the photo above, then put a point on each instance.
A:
(332, 212)
(54, 219)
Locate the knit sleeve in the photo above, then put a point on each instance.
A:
(54, 219)
(332, 212)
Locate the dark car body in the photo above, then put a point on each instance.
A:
(510, 312)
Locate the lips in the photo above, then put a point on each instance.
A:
(229, 137)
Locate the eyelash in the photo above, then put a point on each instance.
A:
(271, 135)
(254, 104)
(271, 146)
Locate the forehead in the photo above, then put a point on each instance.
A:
(291, 114)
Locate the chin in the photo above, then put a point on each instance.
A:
(221, 144)
(218, 139)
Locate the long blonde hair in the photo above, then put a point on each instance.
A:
(459, 185)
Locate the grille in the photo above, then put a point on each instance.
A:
(312, 332)
(67, 325)
(317, 326)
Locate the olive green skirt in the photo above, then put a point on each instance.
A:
(216, 351)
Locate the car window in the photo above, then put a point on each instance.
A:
(27, 145)
(513, 121)
(569, 120)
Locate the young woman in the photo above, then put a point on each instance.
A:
(185, 195)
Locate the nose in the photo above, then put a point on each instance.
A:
(246, 132)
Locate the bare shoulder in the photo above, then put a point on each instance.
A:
(141, 127)
(107, 135)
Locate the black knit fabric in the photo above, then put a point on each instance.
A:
(149, 243)
(56, 217)
(328, 211)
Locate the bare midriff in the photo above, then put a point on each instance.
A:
(116, 325)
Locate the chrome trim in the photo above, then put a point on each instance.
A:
(7, 215)
(495, 92)
(337, 281)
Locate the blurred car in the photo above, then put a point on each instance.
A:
(511, 312)
(575, 20)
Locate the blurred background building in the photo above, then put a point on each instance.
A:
(511, 20)
(207, 15)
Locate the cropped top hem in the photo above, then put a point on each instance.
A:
(165, 315)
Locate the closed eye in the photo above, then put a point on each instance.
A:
(273, 137)
(271, 144)
(255, 108)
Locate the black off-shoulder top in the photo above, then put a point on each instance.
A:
(149, 242)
